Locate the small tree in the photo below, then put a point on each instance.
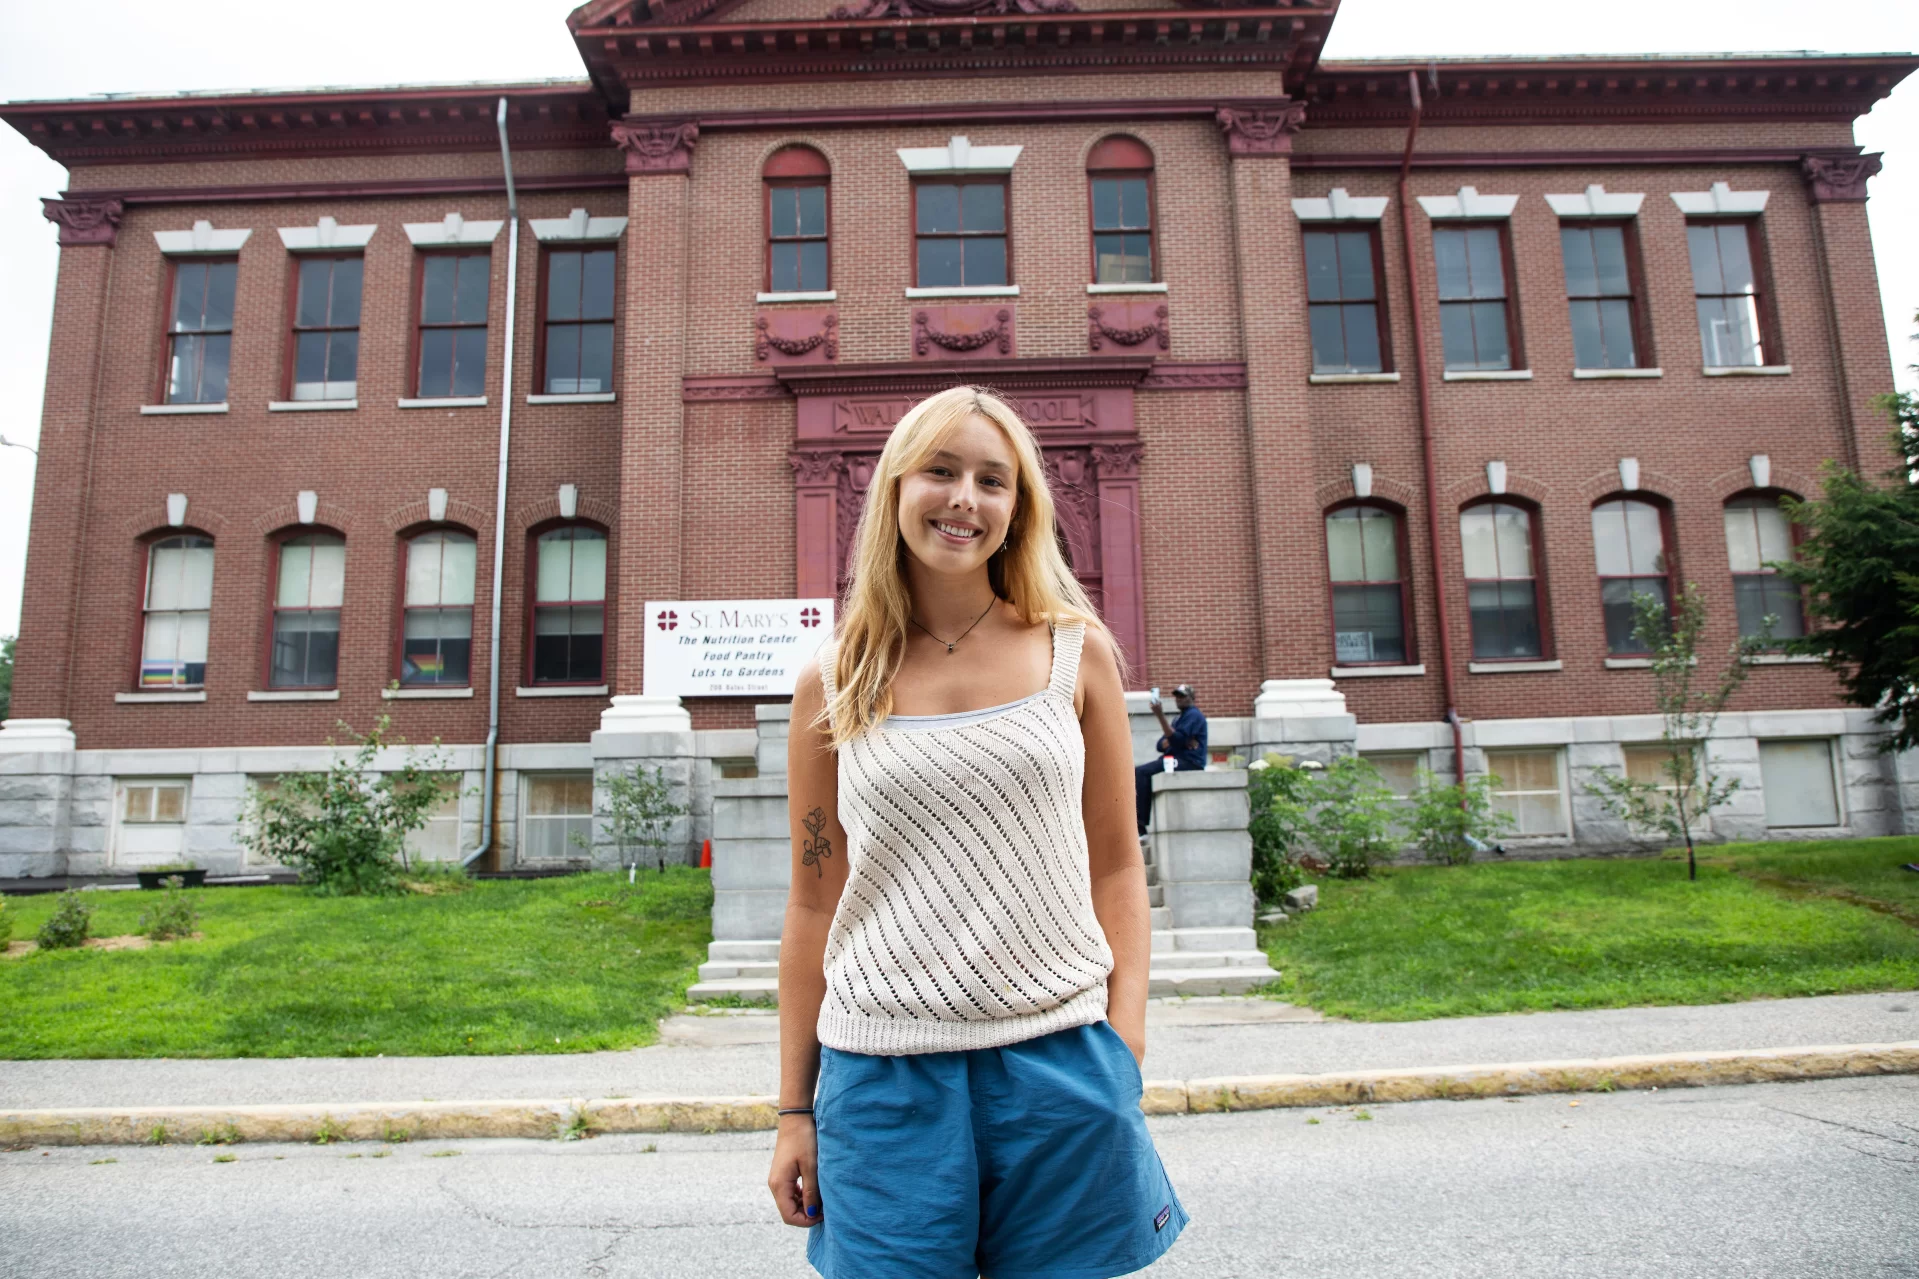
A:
(345, 829)
(68, 926)
(1348, 815)
(1688, 708)
(640, 812)
(1448, 823)
(1274, 789)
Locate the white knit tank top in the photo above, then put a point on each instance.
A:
(967, 918)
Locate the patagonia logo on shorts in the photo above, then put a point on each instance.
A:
(1165, 1215)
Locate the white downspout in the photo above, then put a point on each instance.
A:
(499, 501)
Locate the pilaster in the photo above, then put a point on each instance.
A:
(1836, 188)
(1268, 257)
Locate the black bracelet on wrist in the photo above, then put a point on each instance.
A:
(796, 1110)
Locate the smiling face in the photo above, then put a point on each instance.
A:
(957, 505)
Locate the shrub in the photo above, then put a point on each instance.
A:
(6, 924)
(173, 916)
(1448, 823)
(69, 924)
(1273, 790)
(344, 829)
(1349, 816)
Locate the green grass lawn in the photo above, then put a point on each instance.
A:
(1496, 937)
(551, 965)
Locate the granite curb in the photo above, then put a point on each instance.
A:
(412, 1121)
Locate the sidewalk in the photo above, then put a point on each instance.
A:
(737, 1055)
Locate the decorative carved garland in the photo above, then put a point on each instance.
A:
(1098, 329)
(657, 148)
(816, 467)
(1834, 178)
(828, 334)
(1001, 332)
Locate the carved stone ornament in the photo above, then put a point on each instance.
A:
(817, 467)
(944, 8)
(1100, 332)
(1832, 178)
(1000, 332)
(768, 341)
(85, 220)
(657, 147)
(1263, 131)
(1117, 461)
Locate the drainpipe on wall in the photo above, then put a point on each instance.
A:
(1448, 683)
(499, 503)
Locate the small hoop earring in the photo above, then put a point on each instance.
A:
(1003, 546)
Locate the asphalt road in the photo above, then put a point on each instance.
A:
(1816, 1179)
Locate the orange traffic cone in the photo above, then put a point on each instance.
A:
(706, 854)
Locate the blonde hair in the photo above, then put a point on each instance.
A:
(1030, 574)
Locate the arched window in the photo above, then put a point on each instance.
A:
(1119, 172)
(179, 602)
(1758, 536)
(1497, 541)
(798, 213)
(569, 606)
(1629, 547)
(309, 585)
(436, 627)
(1365, 565)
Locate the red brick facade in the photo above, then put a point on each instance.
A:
(692, 471)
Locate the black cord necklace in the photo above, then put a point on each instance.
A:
(963, 634)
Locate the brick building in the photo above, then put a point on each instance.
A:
(1342, 499)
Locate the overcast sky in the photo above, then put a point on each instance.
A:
(120, 46)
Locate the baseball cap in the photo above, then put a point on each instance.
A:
(1183, 690)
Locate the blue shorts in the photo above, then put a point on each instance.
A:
(1030, 1161)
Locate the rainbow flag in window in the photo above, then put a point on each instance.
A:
(162, 674)
(428, 663)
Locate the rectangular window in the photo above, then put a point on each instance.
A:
(439, 839)
(179, 602)
(200, 330)
(1501, 592)
(436, 645)
(1369, 606)
(1599, 292)
(1650, 764)
(153, 803)
(1342, 302)
(1629, 546)
(578, 355)
(151, 829)
(556, 823)
(452, 329)
(796, 249)
(1725, 285)
(1798, 784)
(326, 328)
(730, 769)
(1122, 231)
(1528, 785)
(569, 606)
(1400, 773)
(1475, 313)
(960, 235)
(1758, 536)
(306, 612)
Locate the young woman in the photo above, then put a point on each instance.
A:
(964, 963)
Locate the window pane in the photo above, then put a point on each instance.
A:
(1476, 542)
(589, 565)
(1106, 204)
(1380, 533)
(296, 575)
(196, 573)
(193, 643)
(1361, 322)
(596, 359)
(786, 267)
(1322, 267)
(1653, 765)
(1775, 532)
(343, 364)
(1763, 596)
(214, 349)
(1589, 343)
(562, 359)
(563, 286)
(1798, 783)
(812, 210)
(1492, 350)
(782, 205)
(169, 803)
(1505, 619)
(1527, 787)
(1488, 264)
(306, 648)
(315, 278)
(1456, 333)
(1609, 253)
(812, 265)
(559, 794)
(1134, 210)
(1345, 558)
(1356, 265)
(1582, 275)
(1628, 539)
(1329, 339)
(470, 294)
(567, 644)
(938, 208)
(1449, 255)
(1703, 246)
(983, 207)
(1616, 596)
(1735, 258)
(939, 265)
(436, 362)
(456, 574)
(436, 283)
(1615, 319)
(1399, 772)
(220, 281)
(985, 260)
(469, 362)
(596, 285)
(347, 276)
(1367, 626)
(189, 296)
(437, 646)
(554, 571)
(329, 573)
(1729, 331)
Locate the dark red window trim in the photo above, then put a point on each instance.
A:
(1542, 594)
(1643, 354)
(1515, 339)
(547, 250)
(290, 350)
(1795, 530)
(1380, 314)
(1403, 553)
(1001, 180)
(1109, 169)
(1770, 344)
(277, 541)
(404, 540)
(794, 166)
(142, 570)
(419, 326)
(168, 297)
(531, 603)
(1668, 550)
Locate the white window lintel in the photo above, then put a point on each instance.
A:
(1597, 202)
(577, 225)
(324, 235)
(1722, 199)
(451, 231)
(203, 238)
(1468, 204)
(959, 155)
(1340, 207)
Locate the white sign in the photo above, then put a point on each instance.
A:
(731, 648)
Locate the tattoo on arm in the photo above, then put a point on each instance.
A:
(817, 845)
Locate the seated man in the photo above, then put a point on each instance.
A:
(1184, 739)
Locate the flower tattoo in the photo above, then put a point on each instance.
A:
(817, 845)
